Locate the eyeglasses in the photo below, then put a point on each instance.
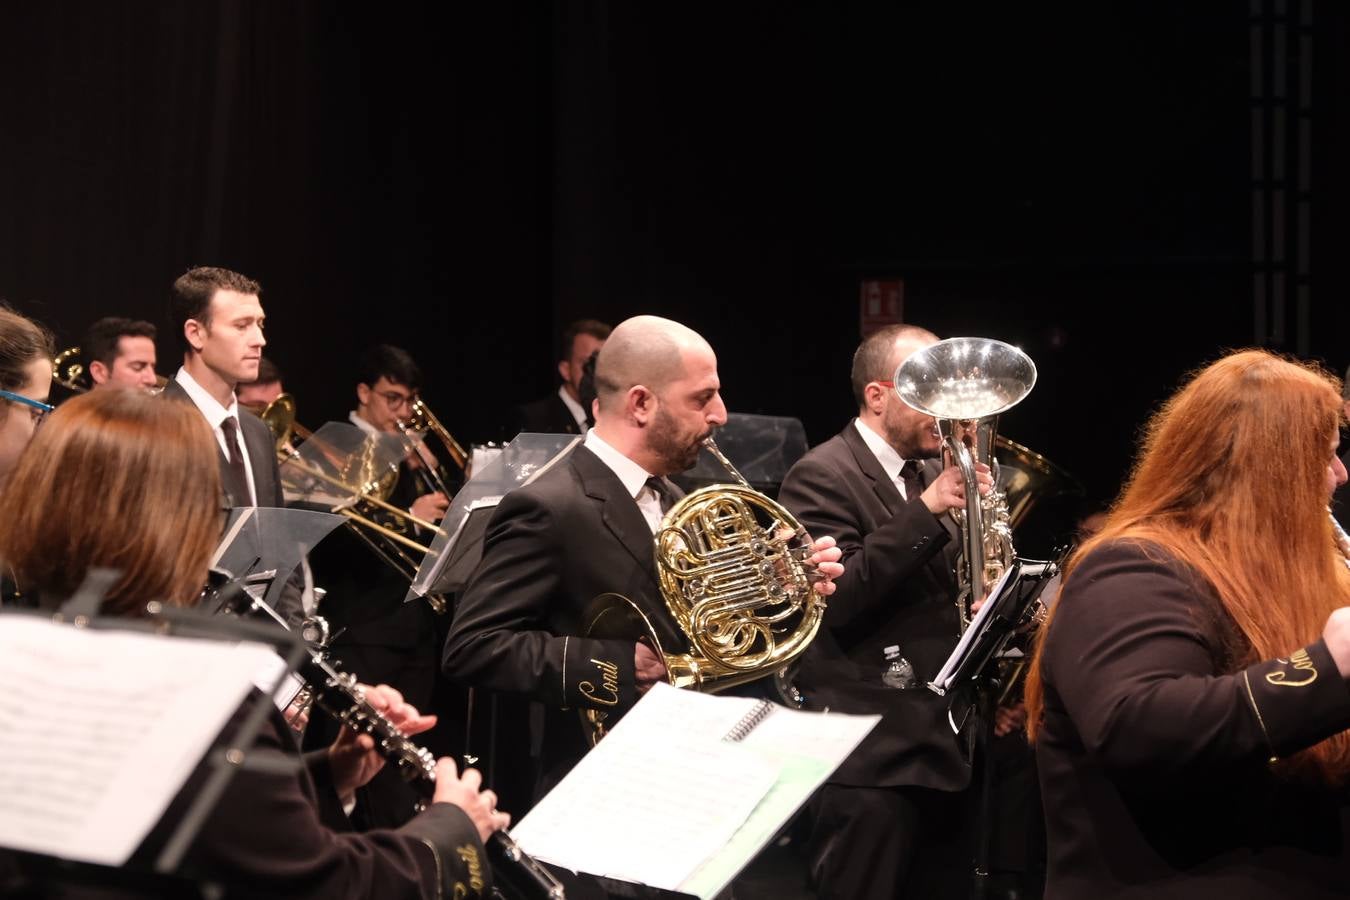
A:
(395, 399)
(36, 408)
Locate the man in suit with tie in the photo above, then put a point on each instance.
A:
(889, 822)
(584, 528)
(218, 319)
(563, 412)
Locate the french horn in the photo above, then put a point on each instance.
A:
(733, 571)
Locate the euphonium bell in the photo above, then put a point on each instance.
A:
(732, 566)
(965, 384)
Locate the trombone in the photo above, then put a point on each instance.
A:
(421, 418)
(361, 480)
(70, 370)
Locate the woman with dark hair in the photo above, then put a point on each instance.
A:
(25, 381)
(1189, 697)
(123, 480)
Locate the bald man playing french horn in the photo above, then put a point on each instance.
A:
(585, 528)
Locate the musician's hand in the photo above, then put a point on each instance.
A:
(648, 668)
(296, 717)
(463, 791)
(826, 565)
(948, 490)
(430, 507)
(353, 759)
(1008, 719)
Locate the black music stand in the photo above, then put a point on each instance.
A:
(970, 677)
(82, 611)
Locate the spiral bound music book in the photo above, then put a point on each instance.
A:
(725, 773)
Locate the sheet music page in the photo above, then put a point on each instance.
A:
(99, 730)
(659, 772)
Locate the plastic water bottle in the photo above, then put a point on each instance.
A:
(898, 673)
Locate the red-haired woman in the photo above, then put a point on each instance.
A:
(1189, 699)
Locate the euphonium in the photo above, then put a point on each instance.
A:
(964, 384)
(69, 370)
(732, 566)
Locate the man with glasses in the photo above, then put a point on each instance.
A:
(376, 634)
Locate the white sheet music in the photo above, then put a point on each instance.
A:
(99, 730)
(665, 769)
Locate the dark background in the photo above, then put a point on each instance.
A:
(462, 181)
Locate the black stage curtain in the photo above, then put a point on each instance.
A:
(461, 179)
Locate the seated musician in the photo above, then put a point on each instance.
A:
(106, 453)
(585, 527)
(121, 353)
(26, 378)
(564, 412)
(1189, 699)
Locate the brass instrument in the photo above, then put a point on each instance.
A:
(965, 384)
(732, 566)
(363, 480)
(69, 371)
(422, 419)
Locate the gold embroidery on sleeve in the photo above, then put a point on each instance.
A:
(469, 854)
(1301, 662)
(1260, 721)
(609, 683)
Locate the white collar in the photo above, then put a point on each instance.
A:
(201, 398)
(633, 476)
(362, 423)
(891, 462)
(574, 407)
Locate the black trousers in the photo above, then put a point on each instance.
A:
(885, 843)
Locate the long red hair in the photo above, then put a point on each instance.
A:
(1231, 479)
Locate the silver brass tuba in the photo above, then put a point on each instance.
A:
(964, 384)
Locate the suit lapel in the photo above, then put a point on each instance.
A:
(882, 485)
(174, 391)
(260, 450)
(618, 511)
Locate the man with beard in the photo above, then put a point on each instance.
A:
(890, 821)
(584, 528)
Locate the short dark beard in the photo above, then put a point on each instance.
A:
(663, 439)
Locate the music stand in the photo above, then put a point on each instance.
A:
(762, 448)
(456, 550)
(970, 675)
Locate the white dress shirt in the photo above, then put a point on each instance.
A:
(891, 462)
(633, 476)
(574, 408)
(216, 414)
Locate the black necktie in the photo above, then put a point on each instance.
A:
(664, 495)
(909, 473)
(238, 478)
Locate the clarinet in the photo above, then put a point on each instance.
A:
(339, 695)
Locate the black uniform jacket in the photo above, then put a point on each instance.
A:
(897, 588)
(284, 834)
(547, 415)
(551, 548)
(1155, 748)
(262, 457)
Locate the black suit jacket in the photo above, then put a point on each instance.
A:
(897, 588)
(1155, 744)
(552, 546)
(547, 415)
(262, 458)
